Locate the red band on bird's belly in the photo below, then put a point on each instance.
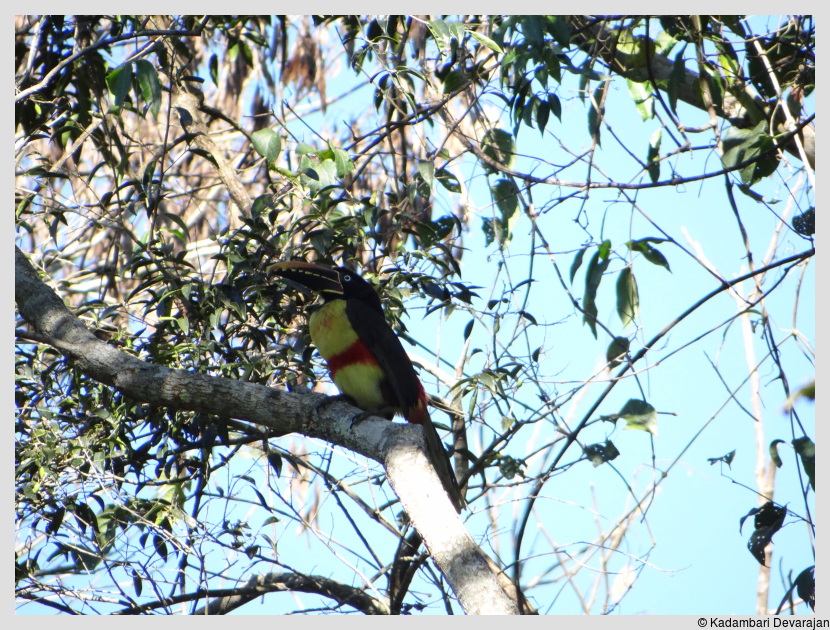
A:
(355, 354)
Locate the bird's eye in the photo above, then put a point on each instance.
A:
(347, 278)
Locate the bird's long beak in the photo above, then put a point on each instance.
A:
(323, 280)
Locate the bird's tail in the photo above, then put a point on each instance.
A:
(437, 453)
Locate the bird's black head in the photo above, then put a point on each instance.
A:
(332, 283)
(355, 287)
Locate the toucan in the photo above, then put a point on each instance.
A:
(365, 357)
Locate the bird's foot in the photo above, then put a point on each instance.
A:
(327, 402)
(383, 412)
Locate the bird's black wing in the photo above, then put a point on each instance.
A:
(371, 327)
(373, 330)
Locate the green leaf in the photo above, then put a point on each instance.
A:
(432, 232)
(728, 59)
(726, 459)
(542, 115)
(664, 43)
(805, 586)
(268, 144)
(594, 117)
(318, 176)
(715, 83)
(528, 111)
(275, 461)
(653, 156)
(773, 453)
(616, 350)
(343, 162)
(55, 520)
(638, 414)
(577, 262)
(555, 106)
(304, 149)
(457, 31)
(768, 520)
(213, 68)
(805, 223)
(177, 219)
(541, 75)
(119, 82)
(604, 249)
(593, 276)
(741, 145)
(448, 180)
(489, 231)
(508, 466)
(486, 41)
(676, 78)
(806, 449)
(247, 54)
(642, 97)
(528, 317)
(426, 168)
(148, 82)
(499, 146)
(532, 30)
(650, 253)
(505, 195)
(440, 32)
(137, 583)
(628, 298)
(600, 453)
(183, 323)
(560, 29)
(160, 546)
(452, 82)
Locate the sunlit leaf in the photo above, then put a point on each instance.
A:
(628, 298)
(148, 82)
(640, 94)
(119, 82)
(268, 144)
(426, 168)
(486, 41)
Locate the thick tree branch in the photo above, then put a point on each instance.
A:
(226, 600)
(343, 594)
(400, 448)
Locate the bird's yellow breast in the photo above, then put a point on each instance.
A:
(353, 367)
(330, 329)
